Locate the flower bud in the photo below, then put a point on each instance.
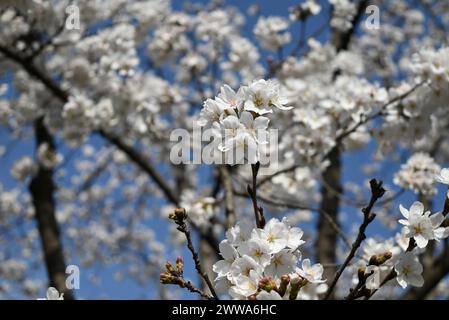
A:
(167, 278)
(180, 265)
(294, 290)
(253, 297)
(267, 284)
(170, 268)
(179, 215)
(380, 259)
(285, 280)
(296, 278)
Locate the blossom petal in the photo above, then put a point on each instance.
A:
(404, 211)
(437, 219)
(421, 242)
(416, 209)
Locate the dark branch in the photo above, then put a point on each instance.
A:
(42, 190)
(377, 191)
(180, 217)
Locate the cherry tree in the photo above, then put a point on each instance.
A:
(91, 93)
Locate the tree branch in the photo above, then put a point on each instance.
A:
(143, 163)
(326, 240)
(180, 217)
(42, 188)
(252, 191)
(225, 176)
(377, 191)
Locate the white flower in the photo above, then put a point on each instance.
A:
(313, 273)
(421, 226)
(47, 157)
(243, 55)
(443, 176)
(373, 281)
(409, 271)
(200, 209)
(418, 225)
(229, 254)
(283, 262)
(214, 25)
(418, 174)
(240, 233)
(272, 32)
(245, 285)
(432, 65)
(342, 15)
(294, 236)
(231, 126)
(211, 112)
(232, 99)
(193, 62)
(275, 233)
(262, 96)
(311, 6)
(239, 148)
(259, 251)
(53, 294)
(438, 231)
(256, 127)
(251, 253)
(243, 266)
(236, 120)
(312, 291)
(23, 168)
(78, 114)
(222, 285)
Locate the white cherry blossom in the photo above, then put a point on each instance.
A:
(409, 271)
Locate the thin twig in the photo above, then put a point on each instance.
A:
(180, 217)
(377, 191)
(175, 276)
(258, 211)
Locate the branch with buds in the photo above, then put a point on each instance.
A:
(179, 216)
(377, 191)
(176, 276)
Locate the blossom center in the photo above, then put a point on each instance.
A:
(258, 101)
(277, 262)
(419, 229)
(271, 238)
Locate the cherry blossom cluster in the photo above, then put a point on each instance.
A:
(200, 209)
(263, 264)
(380, 259)
(239, 119)
(418, 174)
(271, 32)
(53, 294)
(422, 227)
